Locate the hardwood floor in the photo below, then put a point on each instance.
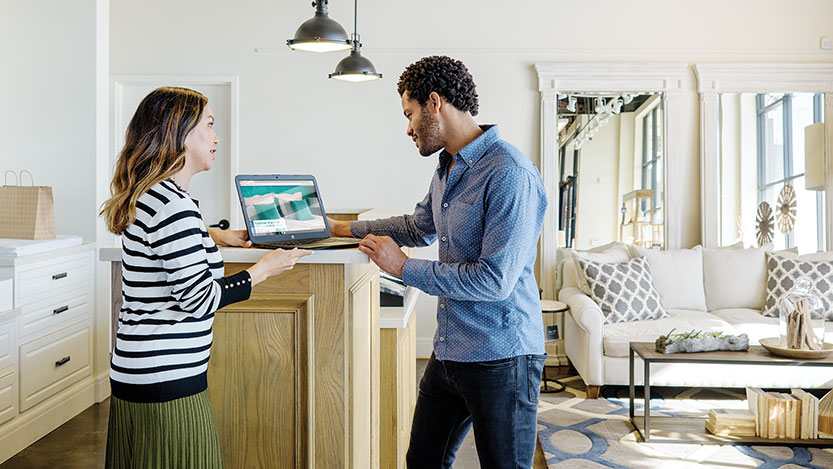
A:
(81, 442)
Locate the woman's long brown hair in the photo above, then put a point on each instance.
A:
(154, 150)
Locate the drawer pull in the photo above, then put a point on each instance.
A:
(62, 361)
(59, 276)
(60, 310)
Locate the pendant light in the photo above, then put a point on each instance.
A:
(320, 33)
(354, 67)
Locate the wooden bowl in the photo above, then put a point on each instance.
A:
(771, 344)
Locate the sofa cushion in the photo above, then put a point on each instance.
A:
(735, 278)
(784, 269)
(617, 337)
(564, 255)
(614, 255)
(749, 322)
(570, 275)
(678, 276)
(624, 291)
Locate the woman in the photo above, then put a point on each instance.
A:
(173, 283)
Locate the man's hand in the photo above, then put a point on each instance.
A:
(231, 238)
(339, 229)
(383, 251)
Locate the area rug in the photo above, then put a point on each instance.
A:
(576, 432)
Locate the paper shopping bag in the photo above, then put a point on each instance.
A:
(27, 212)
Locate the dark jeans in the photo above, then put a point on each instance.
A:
(498, 398)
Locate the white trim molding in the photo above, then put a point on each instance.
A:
(713, 79)
(232, 81)
(557, 78)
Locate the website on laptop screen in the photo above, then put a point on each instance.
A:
(282, 207)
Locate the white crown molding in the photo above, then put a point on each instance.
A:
(714, 79)
(610, 76)
(555, 78)
(764, 78)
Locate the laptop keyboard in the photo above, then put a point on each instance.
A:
(284, 244)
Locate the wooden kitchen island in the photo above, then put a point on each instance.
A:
(294, 375)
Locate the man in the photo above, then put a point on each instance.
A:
(486, 205)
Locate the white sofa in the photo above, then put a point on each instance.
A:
(599, 351)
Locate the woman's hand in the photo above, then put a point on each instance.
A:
(238, 238)
(274, 263)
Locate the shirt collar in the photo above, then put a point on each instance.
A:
(472, 152)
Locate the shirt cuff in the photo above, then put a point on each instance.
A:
(235, 288)
(414, 272)
(359, 228)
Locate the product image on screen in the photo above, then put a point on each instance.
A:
(281, 207)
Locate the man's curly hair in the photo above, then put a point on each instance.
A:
(448, 77)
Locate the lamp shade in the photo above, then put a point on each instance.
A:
(354, 67)
(814, 157)
(320, 33)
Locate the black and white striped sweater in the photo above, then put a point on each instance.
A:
(172, 284)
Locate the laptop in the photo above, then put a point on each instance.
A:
(286, 211)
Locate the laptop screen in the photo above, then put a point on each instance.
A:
(281, 206)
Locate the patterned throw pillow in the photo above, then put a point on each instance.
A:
(625, 291)
(781, 274)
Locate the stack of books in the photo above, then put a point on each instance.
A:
(729, 422)
(782, 415)
(824, 416)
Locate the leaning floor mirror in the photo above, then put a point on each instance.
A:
(763, 155)
(610, 142)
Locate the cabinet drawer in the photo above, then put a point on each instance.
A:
(8, 347)
(48, 279)
(53, 362)
(8, 397)
(50, 314)
(6, 295)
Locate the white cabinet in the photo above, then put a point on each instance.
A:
(46, 343)
(8, 397)
(8, 347)
(53, 362)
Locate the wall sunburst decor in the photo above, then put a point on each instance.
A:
(786, 209)
(765, 224)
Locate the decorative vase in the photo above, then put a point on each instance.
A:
(801, 313)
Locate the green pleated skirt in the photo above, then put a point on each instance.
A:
(173, 434)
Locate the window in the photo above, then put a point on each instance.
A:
(652, 161)
(781, 119)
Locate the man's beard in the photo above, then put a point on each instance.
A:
(427, 132)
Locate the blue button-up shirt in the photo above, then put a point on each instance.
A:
(487, 214)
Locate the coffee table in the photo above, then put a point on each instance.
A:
(692, 429)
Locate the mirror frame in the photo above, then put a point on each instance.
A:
(557, 78)
(713, 79)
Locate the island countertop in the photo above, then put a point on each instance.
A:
(252, 255)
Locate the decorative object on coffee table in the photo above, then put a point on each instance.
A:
(786, 208)
(801, 323)
(765, 224)
(772, 344)
(699, 341)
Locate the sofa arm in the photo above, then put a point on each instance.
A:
(583, 335)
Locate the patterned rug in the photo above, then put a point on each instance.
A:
(576, 432)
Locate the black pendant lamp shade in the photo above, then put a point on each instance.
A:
(354, 67)
(320, 33)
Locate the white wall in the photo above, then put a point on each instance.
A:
(47, 103)
(597, 220)
(292, 118)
